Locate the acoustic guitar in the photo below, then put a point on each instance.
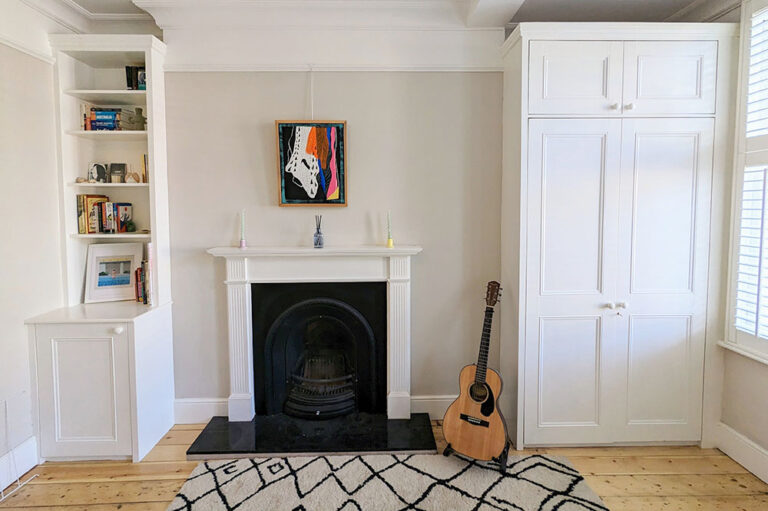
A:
(473, 424)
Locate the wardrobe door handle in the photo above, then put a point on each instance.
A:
(622, 305)
(629, 106)
(609, 305)
(613, 106)
(118, 330)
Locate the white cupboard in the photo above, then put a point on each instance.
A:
(615, 153)
(611, 78)
(101, 382)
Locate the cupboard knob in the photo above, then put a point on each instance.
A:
(629, 106)
(622, 305)
(614, 106)
(609, 305)
(118, 330)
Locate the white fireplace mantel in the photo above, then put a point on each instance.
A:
(305, 264)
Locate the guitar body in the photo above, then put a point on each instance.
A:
(472, 427)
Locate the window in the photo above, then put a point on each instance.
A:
(749, 272)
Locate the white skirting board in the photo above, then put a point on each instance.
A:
(744, 451)
(197, 410)
(25, 458)
(435, 406)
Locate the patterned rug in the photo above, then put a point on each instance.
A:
(386, 482)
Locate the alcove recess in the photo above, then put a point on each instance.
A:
(90, 71)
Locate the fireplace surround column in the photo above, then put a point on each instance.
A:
(306, 264)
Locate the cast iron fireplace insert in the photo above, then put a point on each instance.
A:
(319, 348)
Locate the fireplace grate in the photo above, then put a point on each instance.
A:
(322, 388)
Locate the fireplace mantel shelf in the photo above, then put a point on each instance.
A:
(358, 251)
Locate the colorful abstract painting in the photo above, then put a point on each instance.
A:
(312, 163)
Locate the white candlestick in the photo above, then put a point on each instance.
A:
(389, 224)
(242, 228)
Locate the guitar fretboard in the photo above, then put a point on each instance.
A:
(485, 341)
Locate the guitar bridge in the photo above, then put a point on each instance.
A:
(474, 420)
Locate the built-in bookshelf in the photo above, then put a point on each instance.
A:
(91, 73)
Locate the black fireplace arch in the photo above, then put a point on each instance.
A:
(320, 327)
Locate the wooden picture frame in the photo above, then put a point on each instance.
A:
(315, 177)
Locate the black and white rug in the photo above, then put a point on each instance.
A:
(386, 482)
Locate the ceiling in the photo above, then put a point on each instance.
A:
(101, 7)
(599, 10)
(530, 10)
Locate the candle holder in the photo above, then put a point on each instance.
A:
(318, 237)
(243, 243)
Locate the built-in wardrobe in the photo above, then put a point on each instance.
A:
(616, 186)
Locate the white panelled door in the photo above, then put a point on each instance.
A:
(669, 77)
(572, 218)
(575, 77)
(618, 219)
(83, 389)
(666, 176)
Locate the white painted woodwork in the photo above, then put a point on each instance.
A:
(307, 264)
(92, 68)
(615, 301)
(102, 380)
(83, 397)
(607, 235)
(611, 78)
(666, 179)
(573, 178)
(582, 77)
(670, 77)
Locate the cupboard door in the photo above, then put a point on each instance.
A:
(575, 77)
(573, 181)
(83, 390)
(666, 173)
(669, 77)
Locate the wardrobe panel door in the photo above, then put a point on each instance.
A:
(669, 77)
(666, 174)
(575, 77)
(571, 250)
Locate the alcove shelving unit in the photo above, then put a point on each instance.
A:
(115, 356)
(91, 73)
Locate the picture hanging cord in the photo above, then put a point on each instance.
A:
(312, 92)
(12, 456)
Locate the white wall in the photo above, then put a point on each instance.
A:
(30, 249)
(425, 145)
(745, 397)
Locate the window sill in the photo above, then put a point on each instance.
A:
(745, 352)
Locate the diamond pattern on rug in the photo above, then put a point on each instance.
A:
(386, 482)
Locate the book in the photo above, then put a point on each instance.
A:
(145, 169)
(135, 77)
(92, 210)
(81, 217)
(124, 214)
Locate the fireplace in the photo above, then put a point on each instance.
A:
(319, 354)
(320, 348)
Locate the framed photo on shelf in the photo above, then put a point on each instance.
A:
(311, 163)
(110, 271)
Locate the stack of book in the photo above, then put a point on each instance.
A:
(135, 78)
(111, 119)
(96, 214)
(143, 279)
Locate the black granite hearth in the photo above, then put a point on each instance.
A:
(282, 435)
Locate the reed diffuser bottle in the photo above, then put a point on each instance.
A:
(318, 238)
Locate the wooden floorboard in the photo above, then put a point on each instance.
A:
(668, 478)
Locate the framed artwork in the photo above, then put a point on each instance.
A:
(311, 163)
(110, 271)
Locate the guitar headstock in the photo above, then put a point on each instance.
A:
(493, 293)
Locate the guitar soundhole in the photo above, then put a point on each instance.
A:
(478, 392)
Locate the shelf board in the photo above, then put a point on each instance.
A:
(121, 235)
(116, 135)
(109, 185)
(111, 97)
